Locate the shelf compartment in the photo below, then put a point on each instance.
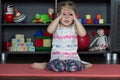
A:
(28, 7)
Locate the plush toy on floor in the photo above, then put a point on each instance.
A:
(101, 41)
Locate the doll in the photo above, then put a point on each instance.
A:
(101, 41)
(9, 14)
(51, 13)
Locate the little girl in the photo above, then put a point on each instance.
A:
(65, 29)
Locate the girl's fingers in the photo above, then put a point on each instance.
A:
(73, 13)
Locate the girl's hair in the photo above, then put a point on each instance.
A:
(62, 4)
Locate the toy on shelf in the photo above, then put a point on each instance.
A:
(98, 19)
(19, 17)
(88, 19)
(101, 41)
(37, 19)
(51, 13)
(38, 33)
(9, 14)
(41, 18)
(18, 44)
(42, 41)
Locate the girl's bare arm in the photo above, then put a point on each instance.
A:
(53, 26)
(79, 27)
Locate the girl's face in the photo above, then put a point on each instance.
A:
(67, 19)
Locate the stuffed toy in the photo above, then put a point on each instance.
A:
(101, 41)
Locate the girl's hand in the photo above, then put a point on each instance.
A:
(73, 15)
(63, 12)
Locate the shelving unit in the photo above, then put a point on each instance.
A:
(31, 7)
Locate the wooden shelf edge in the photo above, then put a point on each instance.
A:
(48, 52)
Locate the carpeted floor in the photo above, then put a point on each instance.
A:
(28, 59)
(24, 70)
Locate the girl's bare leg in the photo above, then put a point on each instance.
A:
(39, 65)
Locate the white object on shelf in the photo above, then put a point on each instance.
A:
(114, 56)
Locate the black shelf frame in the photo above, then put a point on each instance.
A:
(104, 6)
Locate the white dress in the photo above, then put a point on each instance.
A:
(65, 45)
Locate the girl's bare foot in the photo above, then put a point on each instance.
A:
(39, 65)
(88, 66)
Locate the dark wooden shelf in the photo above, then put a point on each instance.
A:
(102, 25)
(28, 52)
(93, 52)
(25, 24)
(48, 52)
(42, 24)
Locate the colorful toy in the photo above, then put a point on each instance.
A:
(101, 21)
(83, 42)
(89, 21)
(84, 21)
(80, 20)
(88, 16)
(39, 42)
(42, 43)
(37, 19)
(98, 19)
(18, 44)
(19, 17)
(39, 33)
(41, 18)
(101, 41)
(98, 16)
(9, 15)
(45, 18)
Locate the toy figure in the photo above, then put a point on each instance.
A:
(10, 9)
(41, 18)
(45, 18)
(51, 13)
(19, 17)
(37, 18)
(9, 14)
(101, 41)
